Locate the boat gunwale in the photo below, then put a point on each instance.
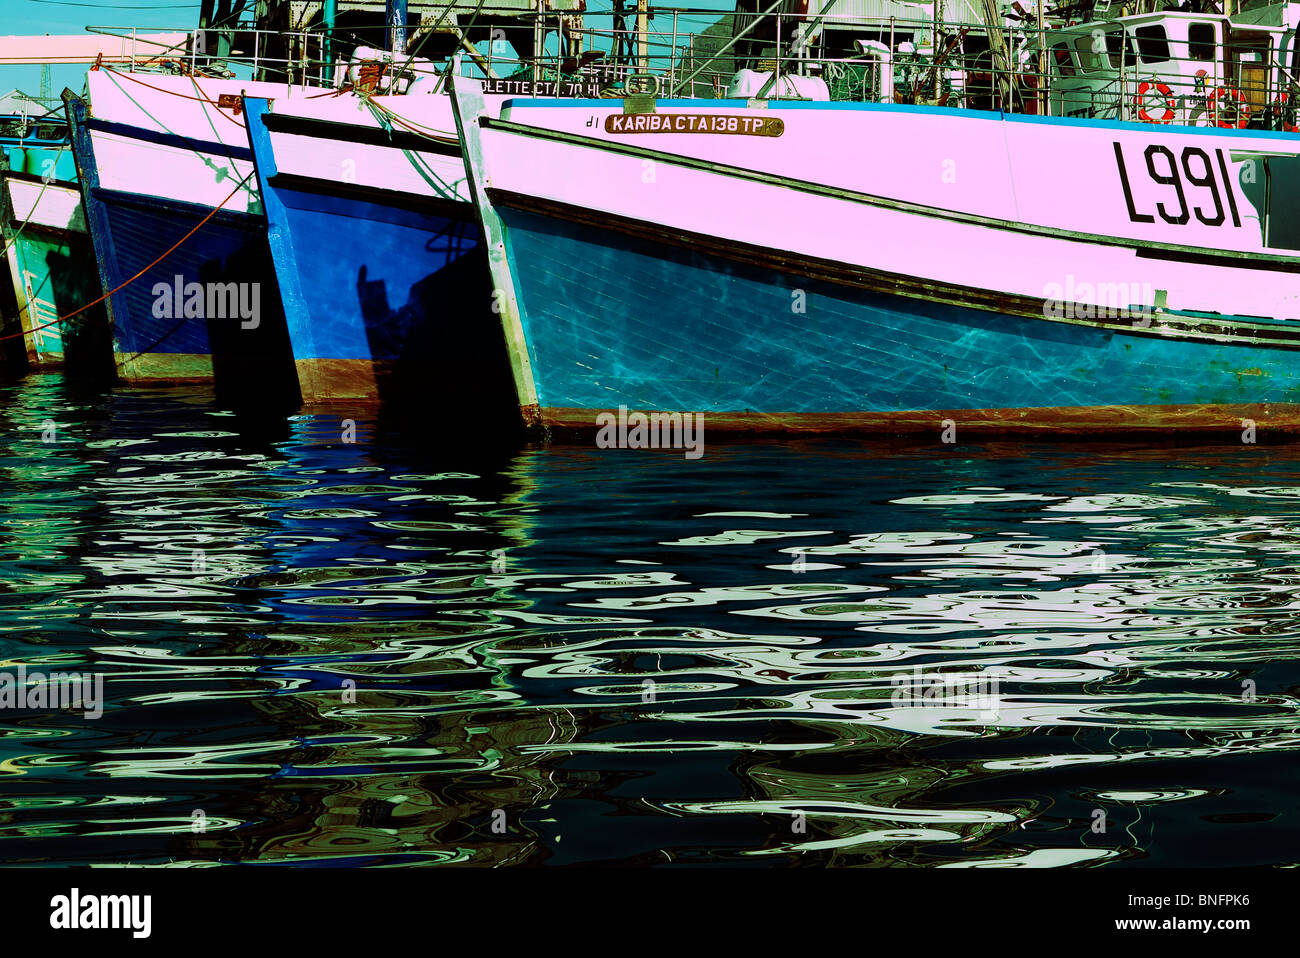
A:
(1245, 259)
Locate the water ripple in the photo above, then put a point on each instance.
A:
(397, 652)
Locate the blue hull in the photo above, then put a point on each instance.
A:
(384, 293)
(141, 229)
(615, 319)
(156, 342)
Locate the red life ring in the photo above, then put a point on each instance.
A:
(1281, 103)
(1224, 95)
(1168, 102)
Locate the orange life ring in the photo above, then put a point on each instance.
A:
(1223, 95)
(1168, 102)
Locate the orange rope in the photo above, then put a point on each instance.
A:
(208, 100)
(202, 98)
(418, 132)
(173, 249)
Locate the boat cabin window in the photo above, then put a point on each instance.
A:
(839, 44)
(1248, 57)
(1201, 41)
(981, 86)
(1119, 46)
(1064, 62)
(1281, 203)
(1153, 44)
(1089, 57)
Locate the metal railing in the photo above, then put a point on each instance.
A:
(1013, 67)
(28, 130)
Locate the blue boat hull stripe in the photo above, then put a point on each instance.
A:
(181, 209)
(396, 199)
(352, 133)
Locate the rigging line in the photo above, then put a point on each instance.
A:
(166, 129)
(175, 246)
(201, 98)
(437, 136)
(217, 106)
(424, 37)
(157, 89)
(35, 203)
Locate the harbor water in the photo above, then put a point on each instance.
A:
(326, 640)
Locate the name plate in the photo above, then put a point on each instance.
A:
(589, 89)
(725, 123)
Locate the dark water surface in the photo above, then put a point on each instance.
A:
(403, 651)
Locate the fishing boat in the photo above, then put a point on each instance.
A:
(47, 250)
(173, 211)
(900, 261)
(371, 230)
(373, 234)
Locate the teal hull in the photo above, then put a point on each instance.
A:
(50, 271)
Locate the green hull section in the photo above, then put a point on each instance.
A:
(53, 276)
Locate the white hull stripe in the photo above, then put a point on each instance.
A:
(170, 139)
(1249, 259)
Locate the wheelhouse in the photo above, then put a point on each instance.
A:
(1184, 68)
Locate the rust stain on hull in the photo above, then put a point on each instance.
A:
(1276, 421)
(163, 367)
(349, 380)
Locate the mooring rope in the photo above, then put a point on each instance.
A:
(175, 246)
(201, 98)
(413, 127)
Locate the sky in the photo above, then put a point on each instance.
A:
(34, 17)
(70, 16)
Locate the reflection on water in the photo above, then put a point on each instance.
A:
(399, 651)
